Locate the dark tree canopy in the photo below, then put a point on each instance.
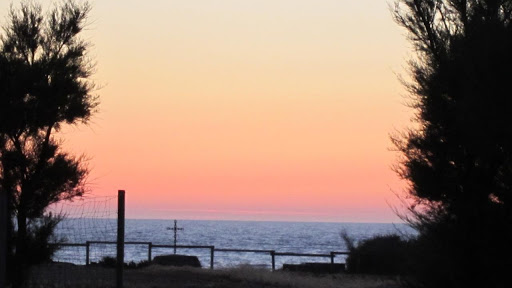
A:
(44, 83)
(458, 161)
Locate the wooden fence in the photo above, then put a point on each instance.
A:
(150, 245)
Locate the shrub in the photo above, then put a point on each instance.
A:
(111, 262)
(142, 264)
(383, 254)
(108, 261)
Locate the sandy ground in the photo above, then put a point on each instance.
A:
(158, 277)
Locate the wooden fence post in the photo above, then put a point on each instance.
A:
(212, 252)
(332, 262)
(273, 254)
(120, 238)
(150, 247)
(87, 253)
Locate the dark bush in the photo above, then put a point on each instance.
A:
(39, 235)
(384, 255)
(111, 262)
(130, 265)
(142, 264)
(108, 261)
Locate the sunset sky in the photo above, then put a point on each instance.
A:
(246, 110)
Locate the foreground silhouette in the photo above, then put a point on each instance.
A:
(458, 161)
(44, 84)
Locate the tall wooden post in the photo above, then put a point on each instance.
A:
(120, 238)
(3, 238)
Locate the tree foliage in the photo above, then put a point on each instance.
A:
(458, 161)
(44, 84)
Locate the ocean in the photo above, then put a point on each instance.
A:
(292, 237)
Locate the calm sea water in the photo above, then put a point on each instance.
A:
(295, 237)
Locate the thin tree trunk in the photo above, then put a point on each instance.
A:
(21, 256)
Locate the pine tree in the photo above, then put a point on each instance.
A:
(458, 161)
(44, 84)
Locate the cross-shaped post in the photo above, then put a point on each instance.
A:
(175, 229)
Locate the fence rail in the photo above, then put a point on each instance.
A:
(212, 249)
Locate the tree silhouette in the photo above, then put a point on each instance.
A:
(458, 161)
(44, 84)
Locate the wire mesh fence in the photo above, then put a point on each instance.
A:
(90, 218)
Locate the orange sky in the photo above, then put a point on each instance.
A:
(251, 110)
